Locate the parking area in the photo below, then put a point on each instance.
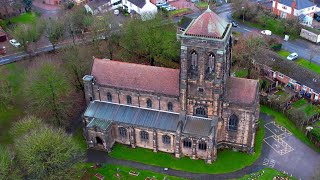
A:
(276, 138)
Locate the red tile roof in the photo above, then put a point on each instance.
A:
(241, 91)
(208, 24)
(136, 76)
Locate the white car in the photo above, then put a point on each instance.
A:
(292, 56)
(266, 32)
(170, 8)
(14, 43)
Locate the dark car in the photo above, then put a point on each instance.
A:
(234, 24)
(318, 18)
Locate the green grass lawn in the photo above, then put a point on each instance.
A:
(110, 171)
(227, 161)
(312, 66)
(29, 17)
(284, 121)
(78, 137)
(299, 103)
(317, 123)
(311, 110)
(302, 62)
(267, 174)
(284, 53)
(242, 73)
(201, 4)
(180, 11)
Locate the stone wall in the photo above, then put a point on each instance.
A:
(139, 99)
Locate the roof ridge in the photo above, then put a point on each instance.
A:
(118, 61)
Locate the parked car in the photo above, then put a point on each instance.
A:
(266, 32)
(14, 43)
(318, 18)
(234, 24)
(160, 4)
(170, 8)
(292, 56)
(194, 1)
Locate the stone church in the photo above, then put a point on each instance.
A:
(188, 112)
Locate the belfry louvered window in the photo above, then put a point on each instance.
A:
(233, 122)
(194, 60)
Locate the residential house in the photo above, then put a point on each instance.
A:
(142, 7)
(290, 74)
(303, 9)
(53, 2)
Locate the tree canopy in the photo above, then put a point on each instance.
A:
(47, 153)
(46, 88)
(152, 39)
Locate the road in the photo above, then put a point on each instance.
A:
(225, 11)
(299, 46)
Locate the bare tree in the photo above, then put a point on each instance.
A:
(313, 52)
(55, 31)
(248, 49)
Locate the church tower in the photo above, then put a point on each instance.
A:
(205, 65)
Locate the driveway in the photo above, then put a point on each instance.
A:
(280, 150)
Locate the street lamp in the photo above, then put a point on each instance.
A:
(242, 13)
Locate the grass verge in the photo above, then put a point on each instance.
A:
(110, 171)
(227, 161)
(302, 62)
(25, 18)
(180, 11)
(312, 66)
(282, 120)
(201, 5)
(267, 173)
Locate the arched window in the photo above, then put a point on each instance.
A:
(109, 97)
(202, 145)
(200, 111)
(194, 60)
(211, 62)
(187, 143)
(166, 139)
(122, 131)
(149, 103)
(144, 135)
(170, 106)
(129, 100)
(233, 122)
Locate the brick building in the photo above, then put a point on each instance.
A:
(188, 112)
(303, 9)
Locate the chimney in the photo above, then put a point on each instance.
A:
(293, 7)
(275, 9)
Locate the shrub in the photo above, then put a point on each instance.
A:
(276, 47)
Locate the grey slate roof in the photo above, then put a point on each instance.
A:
(148, 118)
(291, 69)
(103, 124)
(301, 4)
(138, 3)
(197, 126)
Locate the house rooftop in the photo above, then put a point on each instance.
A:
(301, 4)
(291, 69)
(138, 77)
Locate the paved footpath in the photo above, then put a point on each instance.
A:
(280, 150)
